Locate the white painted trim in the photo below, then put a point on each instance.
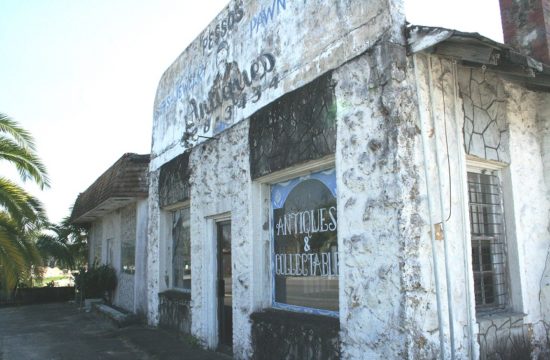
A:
(474, 163)
(176, 206)
(220, 217)
(209, 296)
(295, 171)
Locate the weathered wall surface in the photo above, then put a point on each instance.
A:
(130, 223)
(485, 116)
(379, 232)
(491, 120)
(281, 335)
(251, 54)
(442, 119)
(220, 183)
(153, 249)
(124, 295)
(531, 206)
(140, 286)
(96, 238)
(175, 311)
(543, 117)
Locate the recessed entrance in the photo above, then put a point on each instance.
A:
(224, 286)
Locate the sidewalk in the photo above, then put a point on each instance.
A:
(63, 332)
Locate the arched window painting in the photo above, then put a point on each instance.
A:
(305, 245)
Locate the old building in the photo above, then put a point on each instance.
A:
(115, 209)
(328, 182)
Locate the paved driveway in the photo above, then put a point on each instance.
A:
(63, 332)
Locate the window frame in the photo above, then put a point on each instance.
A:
(168, 245)
(274, 181)
(495, 170)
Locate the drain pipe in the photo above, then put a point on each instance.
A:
(465, 229)
(430, 210)
(448, 278)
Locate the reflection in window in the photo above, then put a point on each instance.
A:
(181, 249)
(305, 247)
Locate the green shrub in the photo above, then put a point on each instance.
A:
(96, 282)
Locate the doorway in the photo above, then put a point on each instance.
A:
(224, 286)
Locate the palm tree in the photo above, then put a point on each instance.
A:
(21, 214)
(65, 244)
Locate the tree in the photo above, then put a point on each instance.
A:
(21, 214)
(64, 244)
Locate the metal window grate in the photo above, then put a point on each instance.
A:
(488, 242)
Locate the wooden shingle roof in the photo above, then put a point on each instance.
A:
(124, 182)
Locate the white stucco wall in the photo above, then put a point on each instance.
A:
(154, 230)
(220, 184)
(266, 43)
(140, 287)
(129, 222)
(407, 130)
(505, 116)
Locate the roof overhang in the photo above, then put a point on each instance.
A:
(125, 182)
(104, 208)
(475, 50)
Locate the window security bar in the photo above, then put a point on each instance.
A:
(488, 242)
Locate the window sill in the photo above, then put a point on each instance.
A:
(499, 319)
(498, 314)
(278, 316)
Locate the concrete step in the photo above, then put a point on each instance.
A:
(119, 317)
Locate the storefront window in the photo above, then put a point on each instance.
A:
(305, 246)
(181, 250)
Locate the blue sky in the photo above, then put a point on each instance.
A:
(82, 75)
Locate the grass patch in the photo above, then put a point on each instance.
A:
(45, 281)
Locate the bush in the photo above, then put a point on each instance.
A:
(96, 282)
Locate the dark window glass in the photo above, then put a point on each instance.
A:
(181, 249)
(305, 242)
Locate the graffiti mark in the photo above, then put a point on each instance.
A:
(184, 85)
(232, 89)
(265, 15)
(215, 34)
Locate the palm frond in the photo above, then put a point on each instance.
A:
(20, 135)
(22, 206)
(25, 161)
